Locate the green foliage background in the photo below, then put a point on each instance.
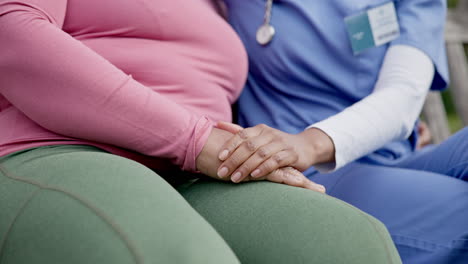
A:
(453, 119)
(452, 3)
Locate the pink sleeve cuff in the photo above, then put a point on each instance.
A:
(200, 135)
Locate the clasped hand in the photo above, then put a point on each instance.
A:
(265, 153)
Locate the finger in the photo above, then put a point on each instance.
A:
(294, 178)
(229, 127)
(277, 160)
(234, 142)
(308, 184)
(249, 156)
(242, 154)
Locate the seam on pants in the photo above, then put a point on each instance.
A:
(454, 168)
(4, 239)
(113, 225)
(379, 233)
(426, 245)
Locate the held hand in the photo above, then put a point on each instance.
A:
(257, 151)
(207, 163)
(292, 177)
(425, 137)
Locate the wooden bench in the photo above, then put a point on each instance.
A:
(456, 35)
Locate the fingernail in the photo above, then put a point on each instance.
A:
(236, 177)
(321, 188)
(223, 172)
(255, 173)
(223, 155)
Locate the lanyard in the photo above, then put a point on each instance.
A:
(266, 31)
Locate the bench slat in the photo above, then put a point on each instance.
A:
(436, 117)
(458, 69)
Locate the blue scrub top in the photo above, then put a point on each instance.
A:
(309, 72)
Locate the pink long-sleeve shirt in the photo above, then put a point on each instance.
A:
(144, 79)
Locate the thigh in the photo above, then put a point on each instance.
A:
(449, 158)
(271, 223)
(77, 204)
(426, 213)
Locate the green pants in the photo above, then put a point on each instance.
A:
(78, 204)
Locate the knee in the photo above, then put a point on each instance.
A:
(461, 137)
(457, 145)
(337, 231)
(291, 225)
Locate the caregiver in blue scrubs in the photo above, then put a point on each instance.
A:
(339, 86)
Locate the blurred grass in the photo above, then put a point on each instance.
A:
(454, 120)
(452, 3)
(455, 123)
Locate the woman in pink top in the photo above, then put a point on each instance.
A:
(88, 86)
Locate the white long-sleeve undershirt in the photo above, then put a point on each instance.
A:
(387, 114)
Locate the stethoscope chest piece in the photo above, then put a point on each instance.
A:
(265, 34)
(266, 31)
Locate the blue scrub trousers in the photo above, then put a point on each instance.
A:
(423, 199)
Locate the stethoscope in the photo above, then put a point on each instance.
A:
(266, 31)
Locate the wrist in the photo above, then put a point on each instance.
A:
(207, 161)
(319, 146)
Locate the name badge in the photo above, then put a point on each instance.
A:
(374, 27)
